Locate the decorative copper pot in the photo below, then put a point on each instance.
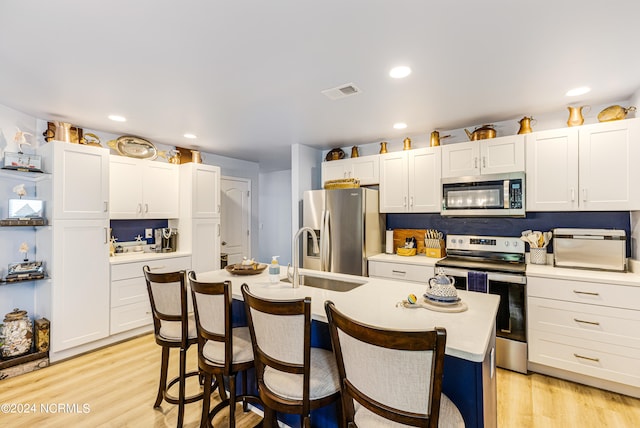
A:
(525, 125)
(575, 115)
(354, 152)
(482, 133)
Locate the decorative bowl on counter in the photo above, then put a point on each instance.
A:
(239, 269)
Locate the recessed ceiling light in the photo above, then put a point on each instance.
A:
(117, 118)
(399, 125)
(578, 91)
(400, 72)
(189, 136)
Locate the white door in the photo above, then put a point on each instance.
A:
(235, 213)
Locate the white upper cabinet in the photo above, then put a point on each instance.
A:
(590, 168)
(410, 181)
(199, 190)
(552, 170)
(80, 180)
(143, 189)
(492, 156)
(365, 168)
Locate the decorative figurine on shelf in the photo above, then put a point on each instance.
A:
(20, 190)
(112, 246)
(24, 248)
(383, 147)
(407, 144)
(20, 139)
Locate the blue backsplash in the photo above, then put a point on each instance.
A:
(127, 230)
(498, 226)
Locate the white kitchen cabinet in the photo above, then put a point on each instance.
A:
(143, 189)
(205, 246)
(80, 185)
(130, 306)
(80, 289)
(410, 181)
(590, 168)
(409, 272)
(202, 185)
(491, 156)
(364, 168)
(588, 328)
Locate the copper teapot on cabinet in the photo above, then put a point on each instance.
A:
(482, 133)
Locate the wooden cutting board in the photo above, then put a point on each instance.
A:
(400, 235)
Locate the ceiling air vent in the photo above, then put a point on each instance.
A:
(341, 91)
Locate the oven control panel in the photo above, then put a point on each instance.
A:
(502, 244)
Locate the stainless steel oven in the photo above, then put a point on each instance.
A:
(495, 265)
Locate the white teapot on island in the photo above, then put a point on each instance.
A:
(442, 287)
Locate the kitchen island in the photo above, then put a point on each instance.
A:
(469, 375)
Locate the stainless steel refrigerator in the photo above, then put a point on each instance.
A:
(349, 227)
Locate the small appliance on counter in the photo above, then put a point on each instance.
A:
(600, 249)
(166, 239)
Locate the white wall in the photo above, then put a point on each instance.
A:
(275, 217)
(305, 175)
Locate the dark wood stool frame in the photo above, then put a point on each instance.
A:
(272, 402)
(229, 369)
(434, 340)
(166, 344)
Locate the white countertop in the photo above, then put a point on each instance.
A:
(419, 259)
(468, 333)
(549, 271)
(143, 257)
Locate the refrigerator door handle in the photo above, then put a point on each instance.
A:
(326, 255)
(323, 239)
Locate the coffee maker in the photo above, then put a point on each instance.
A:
(166, 239)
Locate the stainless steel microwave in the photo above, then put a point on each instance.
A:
(485, 195)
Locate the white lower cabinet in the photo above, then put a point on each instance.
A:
(401, 271)
(130, 307)
(80, 290)
(588, 328)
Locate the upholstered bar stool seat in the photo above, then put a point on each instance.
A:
(174, 328)
(292, 376)
(223, 350)
(323, 378)
(390, 378)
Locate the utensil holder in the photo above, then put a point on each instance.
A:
(538, 256)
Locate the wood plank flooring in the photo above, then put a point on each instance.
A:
(116, 387)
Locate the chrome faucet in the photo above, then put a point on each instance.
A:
(295, 278)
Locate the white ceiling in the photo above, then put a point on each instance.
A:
(246, 76)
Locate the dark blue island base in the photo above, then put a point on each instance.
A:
(470, 385)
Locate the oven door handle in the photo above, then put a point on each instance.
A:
(491, 276)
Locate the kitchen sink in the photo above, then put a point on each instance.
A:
(331, 284)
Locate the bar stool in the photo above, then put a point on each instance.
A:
(222, 350)
(388, 377)
(174, 328)
(292, 376)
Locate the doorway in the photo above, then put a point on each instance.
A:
(235, 214)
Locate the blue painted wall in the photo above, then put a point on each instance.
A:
(127, 230)
(495, 226)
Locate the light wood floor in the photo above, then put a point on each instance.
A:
(116, 387)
